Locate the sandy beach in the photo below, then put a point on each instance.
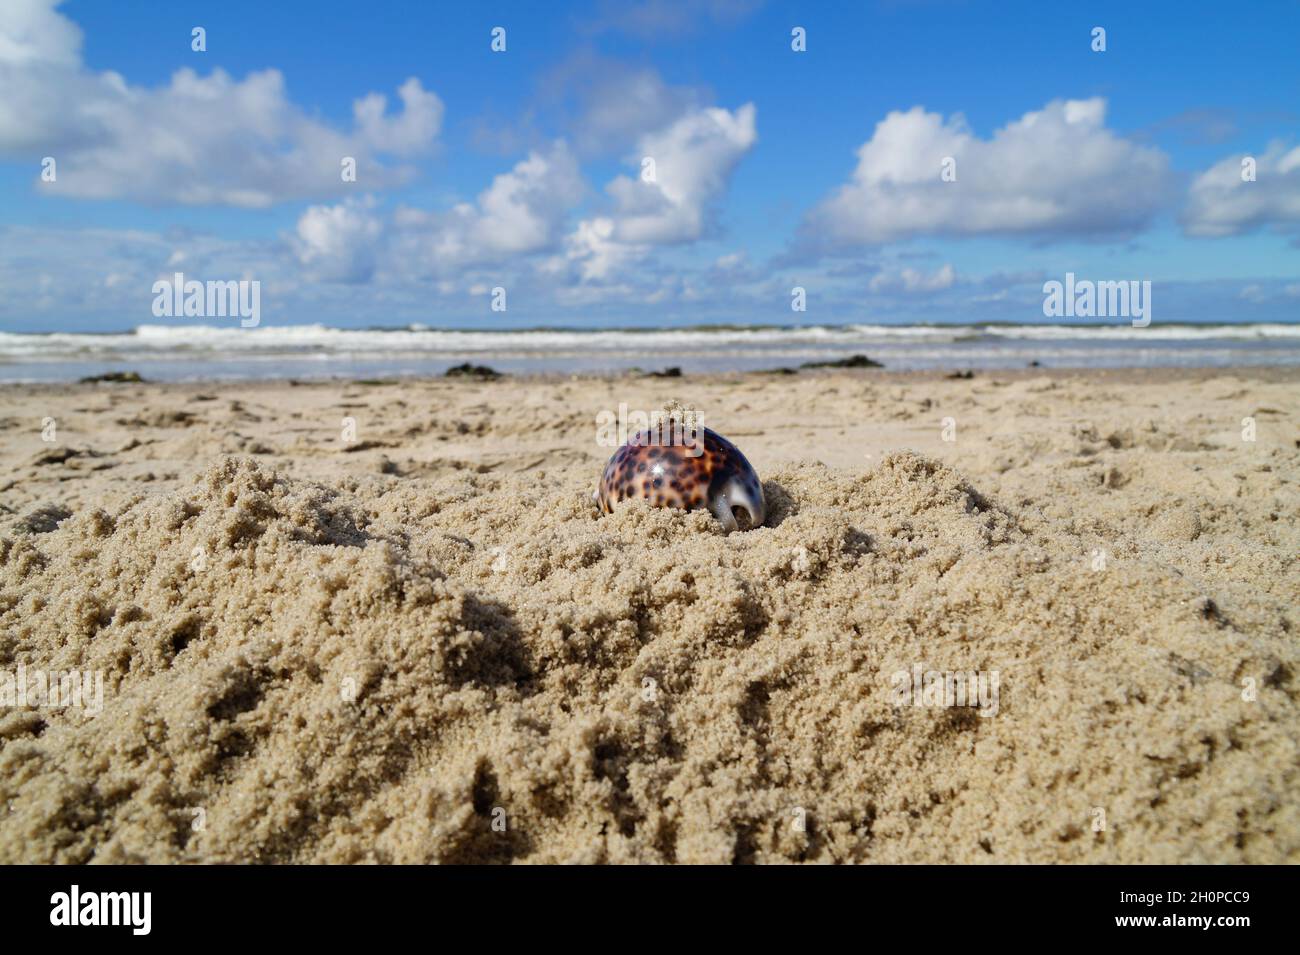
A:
(381, 621)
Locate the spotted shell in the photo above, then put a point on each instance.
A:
(670, 469)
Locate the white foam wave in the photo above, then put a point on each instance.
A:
(182, 342)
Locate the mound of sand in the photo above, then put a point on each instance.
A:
(478, 667)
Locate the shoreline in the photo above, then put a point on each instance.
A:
(1134, 373)
(208, 353)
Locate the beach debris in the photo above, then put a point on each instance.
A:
(120, 377)
(467, 370)
(676, 463)
(853, 361)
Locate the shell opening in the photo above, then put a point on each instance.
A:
(735, 511)
(743, 518)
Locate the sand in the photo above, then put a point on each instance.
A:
(423, 644)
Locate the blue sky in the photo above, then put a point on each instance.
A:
(522, 169)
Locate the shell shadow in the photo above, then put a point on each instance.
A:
(780, 503)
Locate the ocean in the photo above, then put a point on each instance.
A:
(202, 352)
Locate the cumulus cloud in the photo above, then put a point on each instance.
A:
(33, 34)
(1054, 171)
(521, 212)
(198, 140)
(525, 212)
(693, 160)
(592, 252)
(1221, 203)
(406, 133)
(338, 243)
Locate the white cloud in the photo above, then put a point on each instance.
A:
(524, 212)
(338, 243)
(910, 280)
(594, 253)
(406, 133)
(1221, 203)
(33, 34)
(1053, 171)
(198, 140)
(694, 158)
(521, 212)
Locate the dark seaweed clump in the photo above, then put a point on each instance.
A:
(853, 361)
(466, 370)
